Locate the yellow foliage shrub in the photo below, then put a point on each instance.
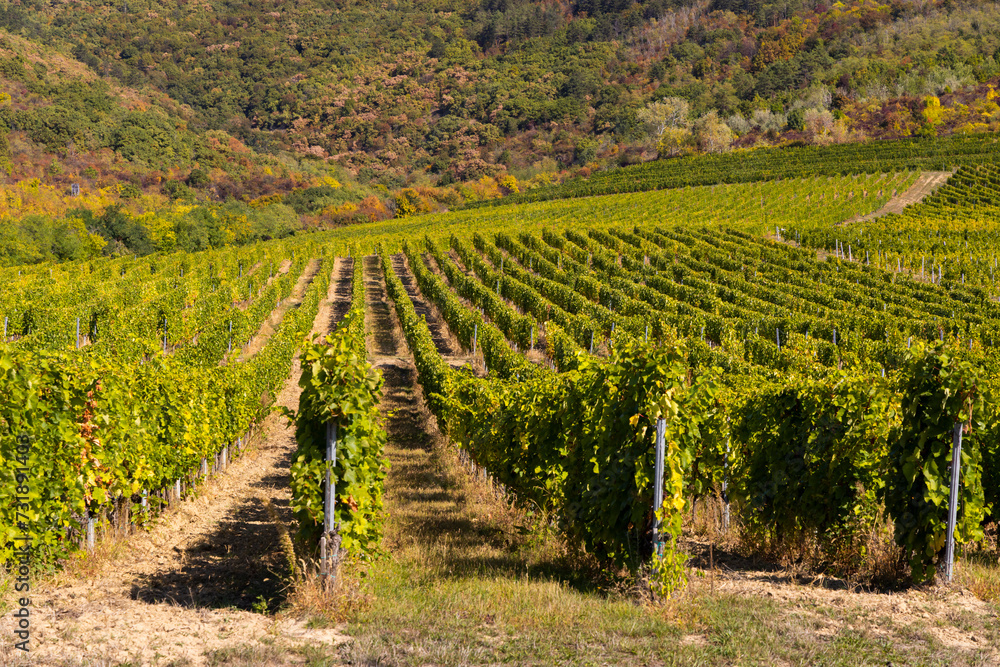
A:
(933, 112)
(509, 183)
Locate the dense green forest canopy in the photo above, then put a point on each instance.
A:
(465, 89)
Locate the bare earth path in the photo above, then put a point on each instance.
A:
(189, 591)
(442, 523)
(339, 294)
(925, 185)
(270, 325)
(417, 482)
(444, 340)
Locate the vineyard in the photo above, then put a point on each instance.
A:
(766, 164)
(950, 239)
(805, 377)
(704, 317)
(129, 376)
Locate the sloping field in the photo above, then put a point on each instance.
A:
(503, 373)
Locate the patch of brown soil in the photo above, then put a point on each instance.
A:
(383, 331)
(453, 256)
(338, 295)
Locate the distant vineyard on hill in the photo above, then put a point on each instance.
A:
(763, 164)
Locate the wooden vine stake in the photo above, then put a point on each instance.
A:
(956, 467)
(322, 562)
(90, 531)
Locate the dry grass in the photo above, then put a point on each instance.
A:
(109, 548)
(248, 656)
(868, 558)
(979, 570)
(981, 575)
(327, 607)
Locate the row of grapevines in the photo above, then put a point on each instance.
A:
(466, 323)
(135, 312)
(518, 328)
(866, 381)
(340, 387)
(529, 434)
(761, 306)
(858, 451)
(765, 164)
(820, 458)
(102, 431)
(561, 346)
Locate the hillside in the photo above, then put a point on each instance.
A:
(459, 90)
(316, 114)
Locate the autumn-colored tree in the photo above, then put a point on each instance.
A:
(932, 111)
(818, 125)
(668, 124)
(670, 112)
(711, 134)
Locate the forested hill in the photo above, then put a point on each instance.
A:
(463, 99)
